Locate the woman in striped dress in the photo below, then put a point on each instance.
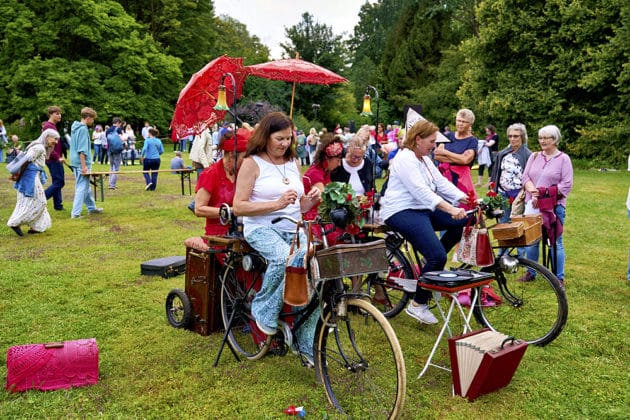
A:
(30, 208)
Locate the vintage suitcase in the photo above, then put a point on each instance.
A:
(52, 366)
(165, 267)
(203, 290)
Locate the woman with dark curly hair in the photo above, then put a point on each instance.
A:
(269, 185)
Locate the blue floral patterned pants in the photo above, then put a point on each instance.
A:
(274, 246)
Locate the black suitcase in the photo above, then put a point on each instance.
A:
(165, 267)
(203, 289)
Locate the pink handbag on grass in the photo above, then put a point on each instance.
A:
(52, 366)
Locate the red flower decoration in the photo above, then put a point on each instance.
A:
(493, 201)
(349, 197)
(353, 229)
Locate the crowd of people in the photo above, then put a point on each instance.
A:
(429, 188)
(429, 184)
(113, 144)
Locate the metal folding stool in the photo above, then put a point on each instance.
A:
(453, 292)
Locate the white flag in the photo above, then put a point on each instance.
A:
(413, 117)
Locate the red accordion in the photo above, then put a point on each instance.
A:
(483, 361)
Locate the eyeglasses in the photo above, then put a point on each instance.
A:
(514, 136)
(545, 138)
(355, 157)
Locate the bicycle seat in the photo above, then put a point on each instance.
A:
(236, 244)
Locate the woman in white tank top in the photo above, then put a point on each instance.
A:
(269, 185)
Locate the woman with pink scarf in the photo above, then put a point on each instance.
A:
(457, 157)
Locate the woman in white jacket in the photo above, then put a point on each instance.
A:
(419, 201)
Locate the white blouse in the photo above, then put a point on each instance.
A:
(416, 184)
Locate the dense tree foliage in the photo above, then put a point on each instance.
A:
(539, 62)
(81, 53)
(316, 42)
(562, 62)
(185, 29)
(551, 62)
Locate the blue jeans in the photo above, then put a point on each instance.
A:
(97, 152)
(57, 183)
(82, 194)
(1, 154)
(183, 145)
(114, 166)
(274, 246)
(532, 252)
(154, 165)
(418, 227)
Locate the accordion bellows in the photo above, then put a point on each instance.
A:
(52, 366)
(483, 361)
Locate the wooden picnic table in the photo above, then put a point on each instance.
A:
(98, 178)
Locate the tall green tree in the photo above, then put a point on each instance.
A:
(233, 37)
(316, 42)
(82, 53)
(184, 29)
(414, 52)
(550, 62)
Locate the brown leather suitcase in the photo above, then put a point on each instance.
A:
(203, 289)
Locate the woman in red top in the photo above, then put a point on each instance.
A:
(216, 183)
(381, 135)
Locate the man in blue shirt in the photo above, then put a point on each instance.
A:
(81, 162)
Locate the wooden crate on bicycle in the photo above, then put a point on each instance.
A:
(352, 259)
(524, 230)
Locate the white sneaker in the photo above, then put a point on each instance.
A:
(421, 313)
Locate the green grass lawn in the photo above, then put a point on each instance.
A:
(82, 279)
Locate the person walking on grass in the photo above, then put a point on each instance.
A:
(114, 150)
(30, 208)
(3, 140)
(81, 162)
(54, 162)
(151, 151)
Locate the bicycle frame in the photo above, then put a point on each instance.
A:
(330, 293)
(349, 336)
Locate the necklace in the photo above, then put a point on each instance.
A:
(282, 173)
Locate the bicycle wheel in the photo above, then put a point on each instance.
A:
(399, 276)
(535, 311)
(360, 362)
(238, 288)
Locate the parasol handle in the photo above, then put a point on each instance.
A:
(297, 57)
(292, 98)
